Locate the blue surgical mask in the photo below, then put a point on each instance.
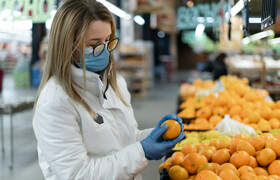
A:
(95, 64)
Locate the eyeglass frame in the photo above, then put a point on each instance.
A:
(105, 45)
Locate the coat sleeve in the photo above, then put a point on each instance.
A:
(60, 141)
(140, 134)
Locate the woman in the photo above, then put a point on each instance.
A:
(83, 120)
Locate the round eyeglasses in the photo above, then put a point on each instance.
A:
(111, 45)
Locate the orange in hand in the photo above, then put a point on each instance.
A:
(173, 130)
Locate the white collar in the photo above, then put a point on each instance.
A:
(94, 86)
(93, 82)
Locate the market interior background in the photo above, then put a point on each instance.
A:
(163, 43)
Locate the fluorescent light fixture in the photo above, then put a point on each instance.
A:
(274, 41)
(237, 7)
(254, 20)
(200, 19)
(115, 10)
(199, 30)
(139, 20)
(246, 40)
(257, 36)
(210, 19)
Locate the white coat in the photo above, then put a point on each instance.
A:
(71, 145)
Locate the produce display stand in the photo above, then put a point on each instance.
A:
(10, 108)
(164, 172)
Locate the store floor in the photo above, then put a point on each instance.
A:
(160, 100)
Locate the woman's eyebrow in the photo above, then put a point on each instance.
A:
(98, 39)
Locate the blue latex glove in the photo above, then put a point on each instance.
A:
(154, 146)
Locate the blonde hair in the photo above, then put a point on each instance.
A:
(69, 26)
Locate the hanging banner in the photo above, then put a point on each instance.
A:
(36, 10)
(207, 14)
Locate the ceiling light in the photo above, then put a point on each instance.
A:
(139, 20)
(237, 7)
(254, 20)
(274, 41)
(199, 30)
(257, 36)
(115, 10)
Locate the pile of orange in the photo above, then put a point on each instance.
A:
(243, 103)
(243, 158)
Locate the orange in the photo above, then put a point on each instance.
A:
(240, 158)
(220, 111)
(221, 156)
(274, 123)
(191, 177)
(274, 168)
(244, 112)
(178, 172)
(270, 104)
(203, 174)
(204, 112)
(254, 117)
(269, 142)
(275, 146)
(232, 145)
(164, 166)
(208, 166)
(266, 113)
(213, 148)
(260, 171)
(192, 161)
(274, 177)
(246, 169)
(214, 143)
(219, 101)
(177, 158)
(278, 136)
(173, 130)
(245, 121)
(276, 113)
(265, 156)
(208, 153)
(236, 117)
(266, 136)
(215, 119)
(253, 162)
(213, 177)
(240, 137)
(228, 174)
(247, 176)
(235, 110)
(248, 105)
(249, 96)
(277, 104)
(261, 177)
(227, 166)
(257, 142)
(168, 160)
(254, 126)
(188, 148)
(245, 146)
(223, 145)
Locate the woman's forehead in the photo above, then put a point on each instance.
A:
(98, 30)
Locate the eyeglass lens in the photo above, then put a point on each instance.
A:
(111, 46)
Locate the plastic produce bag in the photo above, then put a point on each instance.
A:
(232, 127)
